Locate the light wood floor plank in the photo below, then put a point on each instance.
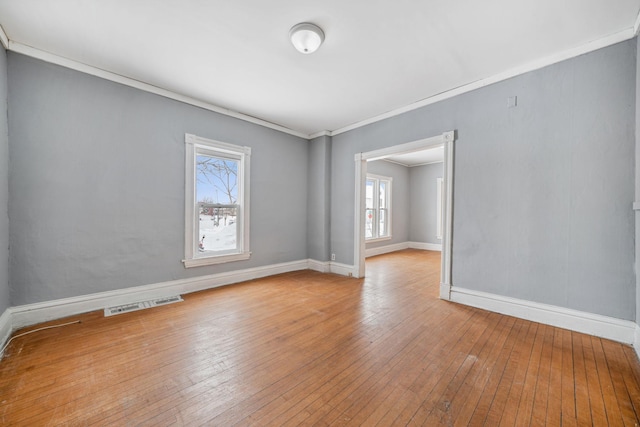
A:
(546, 405)
(581, 383)
(567, 374)
(554, 404)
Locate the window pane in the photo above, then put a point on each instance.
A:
(217, 197)
(383, 223)
(383, 194)
(369, 222)
(217, 228)
(369, 194)
(216, 180)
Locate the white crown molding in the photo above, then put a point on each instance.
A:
(107, 75)
(412, 166)
(535, 65)
(3, 38)
(531, 66)
(588, 323)
(319, 134)
(407, 147)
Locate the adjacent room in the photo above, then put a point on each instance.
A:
(342, 213)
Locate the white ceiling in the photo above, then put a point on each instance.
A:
(378, 56)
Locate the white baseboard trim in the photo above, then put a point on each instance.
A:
(31, 314)
(636, 341)
(624, 331)
(385, 249)
(342, 269)
(401, 246)
(426, 246)
(445, 291)
(5, 329)
(321, 266)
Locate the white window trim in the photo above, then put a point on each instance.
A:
(446, 140)
(191, 256)
(378, 239)
(439, 206)
(389, 235)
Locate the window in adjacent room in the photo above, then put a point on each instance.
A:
(216, 202)
(439, 206)
(378, 207)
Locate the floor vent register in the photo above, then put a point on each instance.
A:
(134, 306)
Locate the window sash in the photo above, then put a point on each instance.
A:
(200, 251)
(197, 146)
(383, 229)
(377, 207)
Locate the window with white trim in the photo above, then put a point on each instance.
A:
(216, 202)
(377, 207)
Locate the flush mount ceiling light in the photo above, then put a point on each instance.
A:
(306, 38)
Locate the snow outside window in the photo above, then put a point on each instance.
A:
(377, 207)
(216, 202)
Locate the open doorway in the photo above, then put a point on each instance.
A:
(362, 210)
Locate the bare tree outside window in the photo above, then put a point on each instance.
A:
(218, 179)
(216, 202)
(217, 197)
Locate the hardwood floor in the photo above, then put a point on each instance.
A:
(306, 348)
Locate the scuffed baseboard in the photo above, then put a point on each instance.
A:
(426, 246)
(606, 327)
(386, 249)
(321, 266)
(380, 250)
(332, 267)
(5, 328)
(342, 269)
(636, 341)
(31, 314)
(624, 331)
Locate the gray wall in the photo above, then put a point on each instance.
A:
(423, 212)
(400, 200)
(96, 186)
(319, 198)
(637, 197)
(4, 187)
(542, 191)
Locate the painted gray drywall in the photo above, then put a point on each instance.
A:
(400, 201)
(96, 185)
(318, 199)
(5, 301)
(542, 191)
(637, 164)
(423, 213)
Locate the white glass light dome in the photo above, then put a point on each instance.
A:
(306, 38)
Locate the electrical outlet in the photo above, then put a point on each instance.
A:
(333, 257)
